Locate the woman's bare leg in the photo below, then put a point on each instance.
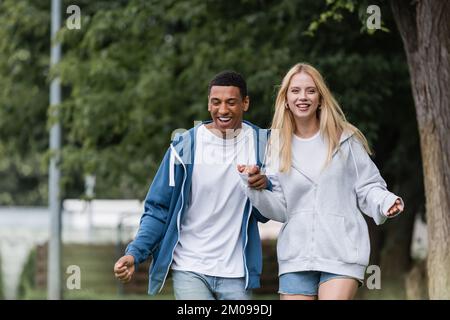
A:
(338, 289)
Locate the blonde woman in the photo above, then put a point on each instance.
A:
(322, 179)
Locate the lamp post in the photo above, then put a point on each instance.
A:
(54, 289)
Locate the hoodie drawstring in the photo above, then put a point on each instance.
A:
(172, 167)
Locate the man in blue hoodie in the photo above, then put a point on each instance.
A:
(196, 219)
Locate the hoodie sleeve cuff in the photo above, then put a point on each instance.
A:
(244, 180)
(135, 256)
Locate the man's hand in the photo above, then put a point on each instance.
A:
(255, 179)
(397, 207)
(124, 268)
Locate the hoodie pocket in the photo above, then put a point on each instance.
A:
(293, 238)
(333, 241)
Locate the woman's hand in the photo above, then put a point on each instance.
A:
(397, 207)
(256, 180)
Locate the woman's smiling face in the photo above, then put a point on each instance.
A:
(303, 96)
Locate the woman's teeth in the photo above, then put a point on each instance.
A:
(303, 106)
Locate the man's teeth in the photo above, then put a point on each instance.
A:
(224, 119)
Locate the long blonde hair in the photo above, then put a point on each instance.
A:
(331, 118)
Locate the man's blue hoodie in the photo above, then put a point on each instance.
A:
(166, 202)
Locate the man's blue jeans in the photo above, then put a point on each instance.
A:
(189, 285)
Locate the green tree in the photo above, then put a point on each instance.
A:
(23, 101)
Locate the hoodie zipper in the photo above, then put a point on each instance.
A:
(178, 214)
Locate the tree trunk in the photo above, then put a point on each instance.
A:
(416, 282)
(425, 30)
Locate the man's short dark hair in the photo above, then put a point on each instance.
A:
(229, 78)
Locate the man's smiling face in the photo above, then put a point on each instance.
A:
(227, 107)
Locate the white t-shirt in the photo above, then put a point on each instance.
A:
(309, 154)
(210, 239)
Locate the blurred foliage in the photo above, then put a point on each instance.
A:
(336, 10)
(139, 69)
(24, 59)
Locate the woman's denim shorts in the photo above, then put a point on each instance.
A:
(307, 282)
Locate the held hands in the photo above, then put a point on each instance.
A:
(397, 207)
(124, 268)
(255, 179)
